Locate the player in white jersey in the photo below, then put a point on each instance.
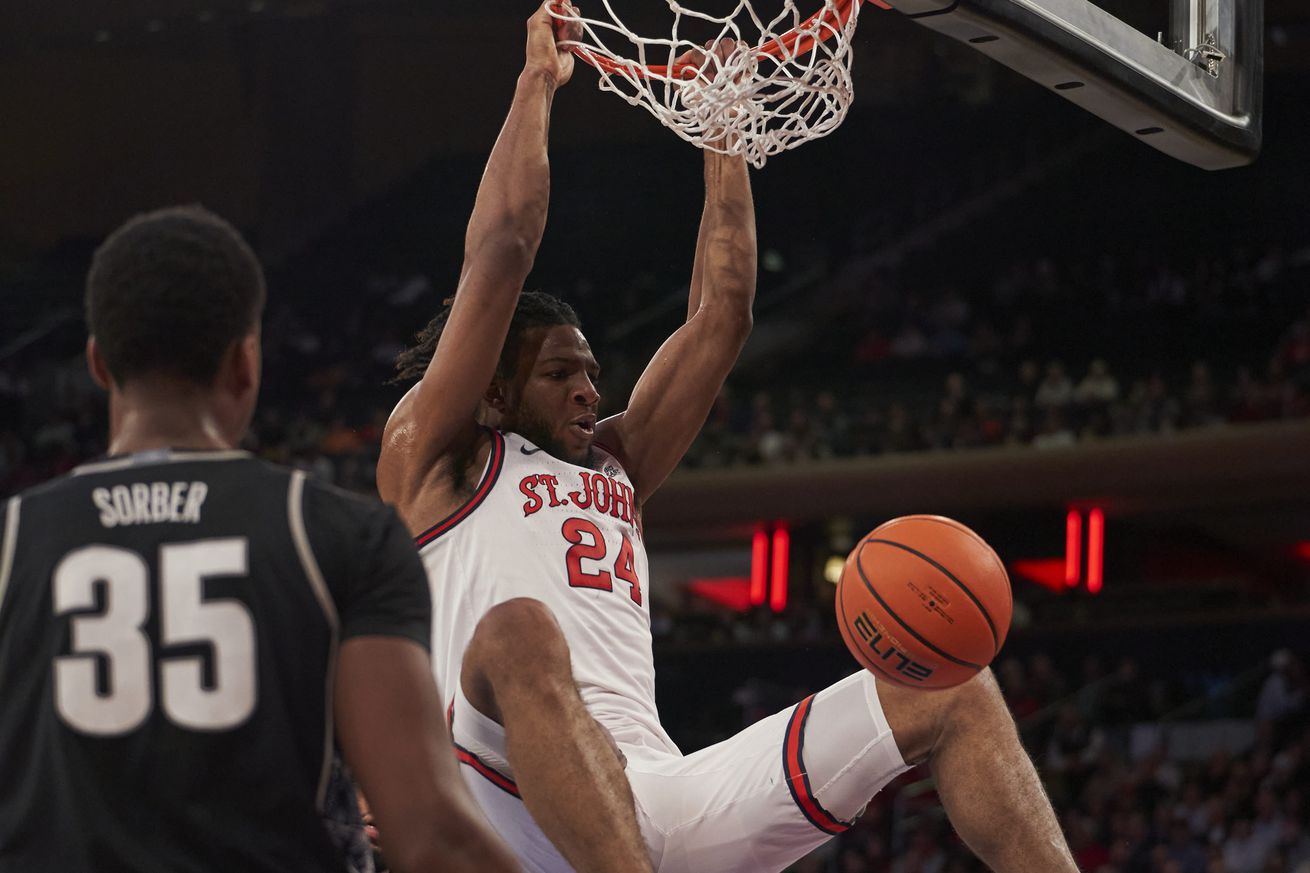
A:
(527, 514)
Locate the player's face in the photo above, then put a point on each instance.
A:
(553, 399)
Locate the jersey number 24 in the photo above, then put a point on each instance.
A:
(589, 545)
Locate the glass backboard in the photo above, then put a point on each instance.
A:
(1192, 90)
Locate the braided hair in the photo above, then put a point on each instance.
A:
(534, 309)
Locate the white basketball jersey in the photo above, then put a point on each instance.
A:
(569, 537)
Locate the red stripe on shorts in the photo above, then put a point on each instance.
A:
(495, 777)
(481, 767)
(798, 781)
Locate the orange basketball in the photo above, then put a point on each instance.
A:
(924, 602)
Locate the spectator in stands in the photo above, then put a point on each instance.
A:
(1020, 428)
(1252, 399)
(1293, 351)
(832, 427)
(924, 854)
(1125, 696)
(1184, 850)
(1055, 390)
(1200, 406)
(1098, 387)
(1088, 852)
(1243, 852)
(1048, 685)
(988, 426)
(901, 433)
(1283, 696)
(1073, 751)
(910, 342)
(1013, 679)
(1055, 431)
(1268, 822)
(1156, 410)
(1294, 844)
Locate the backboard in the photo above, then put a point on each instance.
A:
(1192, 91)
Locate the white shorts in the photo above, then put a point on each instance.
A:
(753, 803)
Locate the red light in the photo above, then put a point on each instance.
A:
(1046, 572)
(730, 591)
(1302, 550)
(1073, 543)
(778, 579)
(759, 565)
(1095, 551)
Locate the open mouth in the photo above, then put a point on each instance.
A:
(585, 426)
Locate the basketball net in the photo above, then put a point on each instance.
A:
(787, 81)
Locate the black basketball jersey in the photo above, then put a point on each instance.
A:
(169, 624)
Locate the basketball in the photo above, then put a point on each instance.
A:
(924, 602)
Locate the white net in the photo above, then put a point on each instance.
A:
(787, 81)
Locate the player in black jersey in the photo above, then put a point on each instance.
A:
(188, 635)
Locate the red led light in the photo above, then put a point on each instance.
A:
(730, 591)
(1095, 551)
(1073, 543)
(759, 566)
(1046, 572)
(778, 579)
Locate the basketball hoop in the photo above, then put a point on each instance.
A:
(787, 81)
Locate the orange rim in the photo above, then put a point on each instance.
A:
(793, 42)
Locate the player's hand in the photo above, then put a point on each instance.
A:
(545, 32)
(370, 830)
(707, 63)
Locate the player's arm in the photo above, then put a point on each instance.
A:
(674, 395)
(388, 711)
(393, 735)
(504, 231)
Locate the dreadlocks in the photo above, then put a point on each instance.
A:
(535, 309)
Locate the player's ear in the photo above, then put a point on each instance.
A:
(252, 357)
(239, 372)
(95, 362)
(495, 395)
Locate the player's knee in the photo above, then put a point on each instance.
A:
(979, 693)
(922, 721)
(518, 637)
(517, 657)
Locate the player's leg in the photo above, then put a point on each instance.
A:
(517, 672)
(985, 779)
(762, 799)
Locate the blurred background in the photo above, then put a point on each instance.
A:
(974, 300)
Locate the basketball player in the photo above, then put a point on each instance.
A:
(527, 512)
(187, 634)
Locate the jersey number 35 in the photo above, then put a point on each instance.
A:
(116, 635)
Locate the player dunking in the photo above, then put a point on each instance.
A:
(188, 633)
(527, 514)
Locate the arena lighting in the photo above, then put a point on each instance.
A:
(1073, 541)
(759, 565)
(778, 578)
(730, 591)
(1095, 550)
(1046, 572)
(832, 568)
